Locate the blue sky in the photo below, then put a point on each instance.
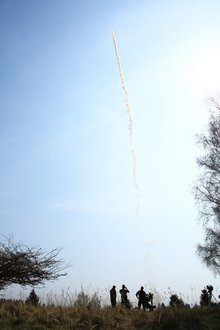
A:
(66, 168)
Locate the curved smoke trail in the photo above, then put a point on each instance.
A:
(130, 126)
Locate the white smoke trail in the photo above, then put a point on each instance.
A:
(130, 127)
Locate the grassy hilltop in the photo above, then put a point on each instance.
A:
(90, 315)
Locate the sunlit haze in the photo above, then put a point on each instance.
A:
(66, 169)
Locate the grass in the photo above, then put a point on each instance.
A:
(86, 313)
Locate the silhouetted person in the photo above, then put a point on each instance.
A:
(113, 296)
(142, 297)
(124, 298)
(209, 289)
(204, 298)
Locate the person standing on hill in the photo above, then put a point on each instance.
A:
(141, 296)
(124, 299)
(113, 296)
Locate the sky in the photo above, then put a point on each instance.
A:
(66, 171)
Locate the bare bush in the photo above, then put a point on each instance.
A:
(23, 265)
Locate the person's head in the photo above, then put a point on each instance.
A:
(114, 286)
(142, 288)
(123, 286)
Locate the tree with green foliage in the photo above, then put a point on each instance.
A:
(24, 265)
(207, 190)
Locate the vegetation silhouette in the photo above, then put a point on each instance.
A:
(32, 299)
(23, 265)
(86, 312)
(175, 301)
(207, 189)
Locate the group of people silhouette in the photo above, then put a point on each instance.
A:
(144, 299)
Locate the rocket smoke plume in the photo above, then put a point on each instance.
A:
(130, 126)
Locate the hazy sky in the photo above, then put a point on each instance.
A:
(66, 167)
